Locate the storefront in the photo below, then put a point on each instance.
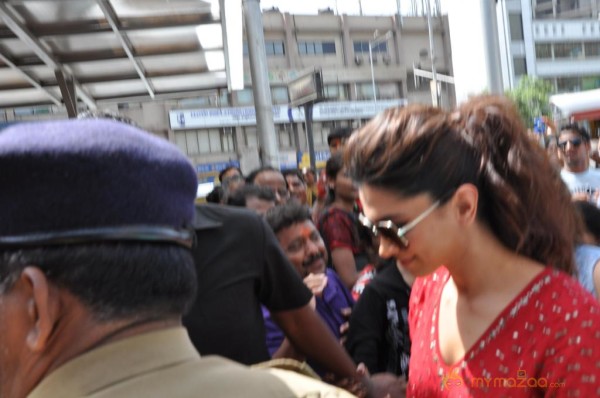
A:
(227, 134)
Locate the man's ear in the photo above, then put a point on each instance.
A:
(465, 201)
(42, 307)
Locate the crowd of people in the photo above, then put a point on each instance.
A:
(440, 254)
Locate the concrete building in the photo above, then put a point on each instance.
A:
(557, 40)
(296, 44)
(215, 127)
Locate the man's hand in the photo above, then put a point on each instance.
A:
(580, 196)
(316, 283)
(346, 312)
(387, 385)
(381, 385)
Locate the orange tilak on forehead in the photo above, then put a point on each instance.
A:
(306, 232)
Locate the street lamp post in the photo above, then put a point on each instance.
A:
(376, 40)
(435, 92)
(372, 71)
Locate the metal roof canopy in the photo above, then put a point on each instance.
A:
(580, 106)
(65, 51)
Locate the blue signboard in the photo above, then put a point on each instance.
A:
(216, 167)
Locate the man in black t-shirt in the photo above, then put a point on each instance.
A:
(378, 334)
(240, 265)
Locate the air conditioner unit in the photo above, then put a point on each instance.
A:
(358, 60)
(386, 58)
(374, 58)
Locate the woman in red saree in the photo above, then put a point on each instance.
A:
(468, 204)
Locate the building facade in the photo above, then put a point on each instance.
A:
(219, 128)
(557, 40)
(222, 128)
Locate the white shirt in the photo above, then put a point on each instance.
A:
(587, 181)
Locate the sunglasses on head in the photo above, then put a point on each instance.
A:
(575, 142)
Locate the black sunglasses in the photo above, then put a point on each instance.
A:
(575, 142)
(397, 233)
(394, 232)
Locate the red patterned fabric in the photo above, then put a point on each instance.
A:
(546, 343)
(364, 277)
(339, 230)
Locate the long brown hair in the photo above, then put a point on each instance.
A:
(420, 149)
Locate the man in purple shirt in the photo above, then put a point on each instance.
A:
(303, 246)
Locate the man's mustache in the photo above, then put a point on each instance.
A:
(312, 259)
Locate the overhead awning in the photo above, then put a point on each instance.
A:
(62, 52)
(584, 105)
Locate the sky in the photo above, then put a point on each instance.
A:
(369, 7)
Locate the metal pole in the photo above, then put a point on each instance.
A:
(399, 14)
(492, 48)
(308, 110)
(263, 103)
(372, 71)
(432, 55)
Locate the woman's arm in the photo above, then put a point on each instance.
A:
(345, 266)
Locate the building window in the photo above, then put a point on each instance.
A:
(274, 47)
(590, 82)
(320, 134)
(316, 47)
(544, 9)
(543, 51)
(198, 102)
(328, 47)
(364, 91)
(223, 98)
(279, 95)
(568, 84)
(520, 66)
(29, 111)
(197, 142)
(416, 83)
(244, 97)
(180, 140)
(218, 98)
(271, 48)
(214, 141)
(592, 49)
(387, 91)
(203, 141)
(362, 47)
(568, 50)
(284, 135)
(516, 27)
(250, 137)
(336, 91)
(228, 140)
(191, 141)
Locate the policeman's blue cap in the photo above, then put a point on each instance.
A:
(76, 181)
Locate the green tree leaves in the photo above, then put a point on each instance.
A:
(532, 97)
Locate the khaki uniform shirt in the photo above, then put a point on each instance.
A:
(165, 364)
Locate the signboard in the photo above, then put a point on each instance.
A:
(345, 110)
(215, 167)
(212, 117)
(288, 160)
(321, 158)
(246, 116)
(307, 88)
